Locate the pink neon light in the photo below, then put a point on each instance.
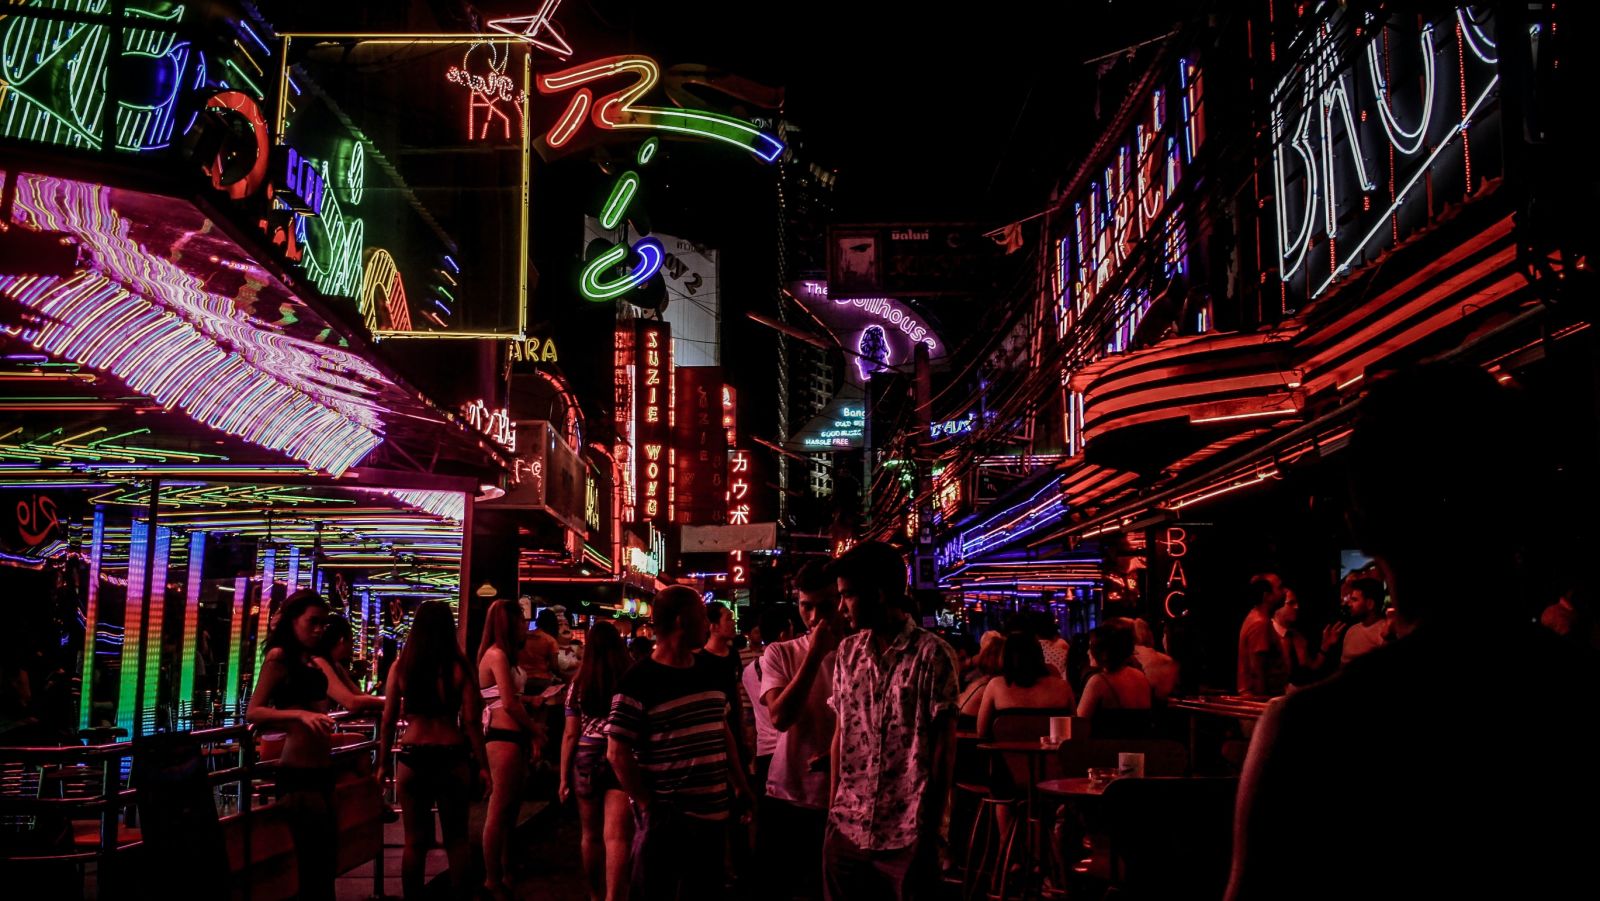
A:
(143, 319)
(488, 92)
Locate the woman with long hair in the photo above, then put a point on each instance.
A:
(603, 808)
(441, 748)
(1117, 685)
(508, 735)
(332, 656)
(292, 695)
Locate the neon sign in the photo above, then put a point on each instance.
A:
(654, 411)
(620, 109)
(533, 350)
(1322, 191)
(649, 250)
(739, 487)
(488, 92)
(55, 73)
(383, 288)
(848, 428)
(537, 29)
(892, 313)
(1175, 542)
(496, 424)
(1130, 199)
(952, 427)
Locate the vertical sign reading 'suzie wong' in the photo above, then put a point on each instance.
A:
(700, 447)
(653, 456)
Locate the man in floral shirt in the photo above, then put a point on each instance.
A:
(894, 692)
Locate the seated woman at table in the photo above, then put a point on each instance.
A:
(1025, 680)
(985, 669)
(1119, 685)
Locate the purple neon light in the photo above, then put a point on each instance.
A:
(151, 324)
(450, 505)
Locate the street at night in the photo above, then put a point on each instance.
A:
(590, 449)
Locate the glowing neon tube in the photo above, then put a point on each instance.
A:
(132, 627)
(189, 641)
(236, 679)
(92, 610)
(650, 258)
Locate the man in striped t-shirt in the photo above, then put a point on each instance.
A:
(671, 749)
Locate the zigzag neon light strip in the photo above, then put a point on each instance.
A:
(189, 641)
(55, 74)
(241, 591)
(157, 600)
(91, 611)
(167, 341)
(620, 109)
(651, 256)
(133, 629)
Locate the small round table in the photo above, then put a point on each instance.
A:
(1071, 787)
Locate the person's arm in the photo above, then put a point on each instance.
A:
(833, 768)
(1090, 702)
(340, 692)
(259, 713)
(472, 723)
(741, 785)
(986, 711)
(619, 753)
(569, 754)
(391, 716)
(787, 704)
(1256, 650)
(941, 700)
(510, 698)
(1259, 813)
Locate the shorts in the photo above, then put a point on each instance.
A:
(438, 771)
(521, 739)
(593, 771)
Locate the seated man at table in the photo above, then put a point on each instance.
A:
(1461, 801)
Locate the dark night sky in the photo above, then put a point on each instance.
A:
(928, 111)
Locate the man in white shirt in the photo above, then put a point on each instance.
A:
(796, 681)
(773, 628)
(1363, 601)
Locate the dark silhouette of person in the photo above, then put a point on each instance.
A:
(1437, 765)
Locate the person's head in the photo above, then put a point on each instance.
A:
(1363, 599)
(335, 644)
(431, 661)
(678, 614)
(1143, 635)
(817, 591)
(1266, 591)
(503, 629)
(1022, 660)
(605, 659)
(773, 623)
(1288, 613)
(641, 648)
(871, 578)
(966, 651)
(721, 620)
(548, 622)
(1416, 463)
(301, 620)
(991, 653)
(1023, 623)
(1110, 646)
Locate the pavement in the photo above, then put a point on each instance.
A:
(547, 854)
